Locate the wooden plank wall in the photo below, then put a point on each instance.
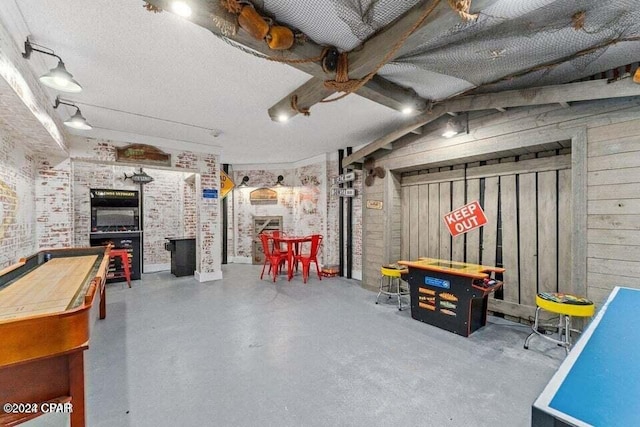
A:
(613, 176)
(382, 228)
(613, 207)
(529, 202)
(375, 241)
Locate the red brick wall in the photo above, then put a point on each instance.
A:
(305, 204)
(163, 213)
(171, 204)
(54, 203)
(17, 200)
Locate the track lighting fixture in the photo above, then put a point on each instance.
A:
(245, 179)
(77, 121)
(57, 78)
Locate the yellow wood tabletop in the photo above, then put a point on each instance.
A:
(453, 267)
(49, 288)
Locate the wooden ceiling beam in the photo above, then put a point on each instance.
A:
(365, 59)
(570, 92)
(373, 51)
(378, 89)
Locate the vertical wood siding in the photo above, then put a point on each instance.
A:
(610, 222)
(528, 196)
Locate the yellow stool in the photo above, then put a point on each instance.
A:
(390, 278)
(567, 306)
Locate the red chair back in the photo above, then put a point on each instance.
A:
(267, 243)
(310, 246)
(316, 241)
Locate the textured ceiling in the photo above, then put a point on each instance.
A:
(162, 80)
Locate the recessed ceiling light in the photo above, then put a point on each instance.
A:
(283, 118)
(181, 8)
(407, 110)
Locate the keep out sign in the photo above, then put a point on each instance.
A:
(467, 218)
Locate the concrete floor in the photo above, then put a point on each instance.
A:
(245, 352)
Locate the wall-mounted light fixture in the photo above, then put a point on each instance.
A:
(77, 121)
(456, 125)
(57, 78)
(279, 182)
(245, 179)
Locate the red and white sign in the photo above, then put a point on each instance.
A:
(467, 218)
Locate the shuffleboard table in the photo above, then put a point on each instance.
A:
(47, 305)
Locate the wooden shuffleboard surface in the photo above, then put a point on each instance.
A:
(50, 288)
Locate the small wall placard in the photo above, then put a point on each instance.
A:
(374, 204)
(142, 153)
(263, 195)
(209, 193)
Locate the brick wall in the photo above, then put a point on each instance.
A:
(331, 243)
(163, 213)
(305, 204)
(24, 101)
(54, 203)
(244, 211)
(209, 253)
(17, 199)
(171, 205)
(93, 175)
(189, 207)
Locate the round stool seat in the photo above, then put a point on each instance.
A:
(390, 278)
(392, 272)
(566, 304)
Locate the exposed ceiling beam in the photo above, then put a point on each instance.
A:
(378, 90)
(570, 92)
(373, 51)
(365, 59)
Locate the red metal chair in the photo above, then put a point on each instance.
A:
(124, 259)
(272, 257)
(308, 254)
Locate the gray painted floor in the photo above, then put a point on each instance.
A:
(245, 352)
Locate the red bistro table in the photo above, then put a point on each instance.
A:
(293, 243)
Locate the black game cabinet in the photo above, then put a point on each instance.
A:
(450, 295)
(183, 255)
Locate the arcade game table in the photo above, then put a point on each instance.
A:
(450, 295)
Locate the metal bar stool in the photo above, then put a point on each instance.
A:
(567, 306)
(390, 284)
(124, 259)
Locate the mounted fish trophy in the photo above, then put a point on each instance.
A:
(372, 171)
(139, 177)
